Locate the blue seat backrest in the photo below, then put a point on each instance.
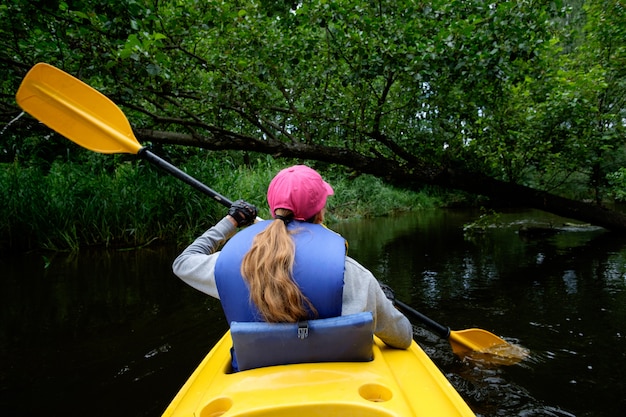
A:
(337, 339)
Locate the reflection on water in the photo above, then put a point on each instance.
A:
(562, 296)
(96, 330)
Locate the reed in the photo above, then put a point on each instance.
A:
(368, 196)
(126, 203)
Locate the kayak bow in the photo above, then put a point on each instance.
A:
(397, 382)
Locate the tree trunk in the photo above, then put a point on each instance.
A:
(412, 176)
(521, 196)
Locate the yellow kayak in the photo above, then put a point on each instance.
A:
(396, 382)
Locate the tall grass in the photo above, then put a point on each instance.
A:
(125, 203)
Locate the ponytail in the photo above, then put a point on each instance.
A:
(268, 271)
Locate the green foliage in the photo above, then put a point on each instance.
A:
(488, 219)
(526, 91)
(114, 202)
(367, 196)
(67, 207)
(617, 181)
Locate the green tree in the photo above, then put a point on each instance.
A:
(505, 99)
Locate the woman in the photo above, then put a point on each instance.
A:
(290, 268)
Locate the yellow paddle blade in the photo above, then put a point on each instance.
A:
(473, 341)
(75, 110)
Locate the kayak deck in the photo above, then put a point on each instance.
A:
(396, 383)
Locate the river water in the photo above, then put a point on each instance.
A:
(115, 333)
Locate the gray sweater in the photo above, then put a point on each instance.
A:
(361, 292)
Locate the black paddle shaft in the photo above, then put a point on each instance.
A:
(183, 176)
(441, 330)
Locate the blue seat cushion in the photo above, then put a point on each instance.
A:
(337, 339)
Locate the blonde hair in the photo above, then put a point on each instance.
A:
(268, 270)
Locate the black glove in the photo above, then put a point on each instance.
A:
(243, 213)
(389, 293)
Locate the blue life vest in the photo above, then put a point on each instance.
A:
(318, 270)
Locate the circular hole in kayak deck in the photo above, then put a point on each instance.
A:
(375, 393)
(217, 407)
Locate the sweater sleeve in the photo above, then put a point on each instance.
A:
(196, 264)
(361, 292)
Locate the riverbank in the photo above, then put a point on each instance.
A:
(117, 201)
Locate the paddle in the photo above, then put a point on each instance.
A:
(469, 340)
(87, 117)
(90, 119)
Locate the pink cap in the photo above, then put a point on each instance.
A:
(299, 189)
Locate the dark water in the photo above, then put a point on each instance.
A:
(116, 333)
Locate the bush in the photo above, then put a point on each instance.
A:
(129, 203)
